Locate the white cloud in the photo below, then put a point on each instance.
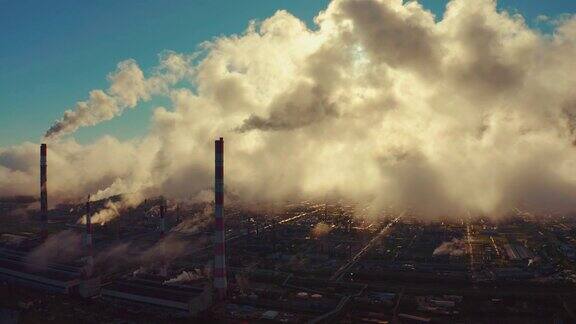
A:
(380, 104)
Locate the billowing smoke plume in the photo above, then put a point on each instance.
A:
(456, 247)
(112, 209)
(127, 87)
(103, 216)
(380, 103)
(321, 229)
(186, 276)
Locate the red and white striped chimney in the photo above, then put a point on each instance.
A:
(43, 192)
(220, 281)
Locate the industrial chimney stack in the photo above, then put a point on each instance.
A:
(220, 281)
(88, 225)
(43, 192)
(163, 265)
(162, 217)
(89, 244)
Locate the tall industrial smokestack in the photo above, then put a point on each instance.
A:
(163, 264)
(87, 272)
(162, 217)
(220, 281)
(43, 192)
(88, 242)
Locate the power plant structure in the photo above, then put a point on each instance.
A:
(163, 261)
(162, 212)
(301, 260)
(43, 192)
(88, 218)
(88, 269)
(220, 280)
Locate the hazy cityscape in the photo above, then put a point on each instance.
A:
(291, 262)
(330, 161)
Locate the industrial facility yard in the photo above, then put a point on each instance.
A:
(305, 261)
(386, 161)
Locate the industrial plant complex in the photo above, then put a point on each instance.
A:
(162, 260)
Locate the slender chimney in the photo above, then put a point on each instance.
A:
(87, 271)
(162, 219)
(43, 192)
(220, 281)
(88, 225)
(163, 263)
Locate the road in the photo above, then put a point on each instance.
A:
(342, 270)
(269, 226)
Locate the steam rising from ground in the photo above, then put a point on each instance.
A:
(456, 247)
(65, 246)
(379, 103)
(321, 229)
(186, 276)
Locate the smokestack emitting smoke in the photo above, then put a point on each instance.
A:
(128, 87)
(220, 280)
(43, 191)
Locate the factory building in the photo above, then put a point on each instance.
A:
(157, 296)
(52, 280)
(57, 278)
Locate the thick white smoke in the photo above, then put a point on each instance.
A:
(379, 103)
(127, 87)
(456, 247)
(186, 276)
(112, 209)
(321, 229)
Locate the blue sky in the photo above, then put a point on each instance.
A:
(52, 53)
